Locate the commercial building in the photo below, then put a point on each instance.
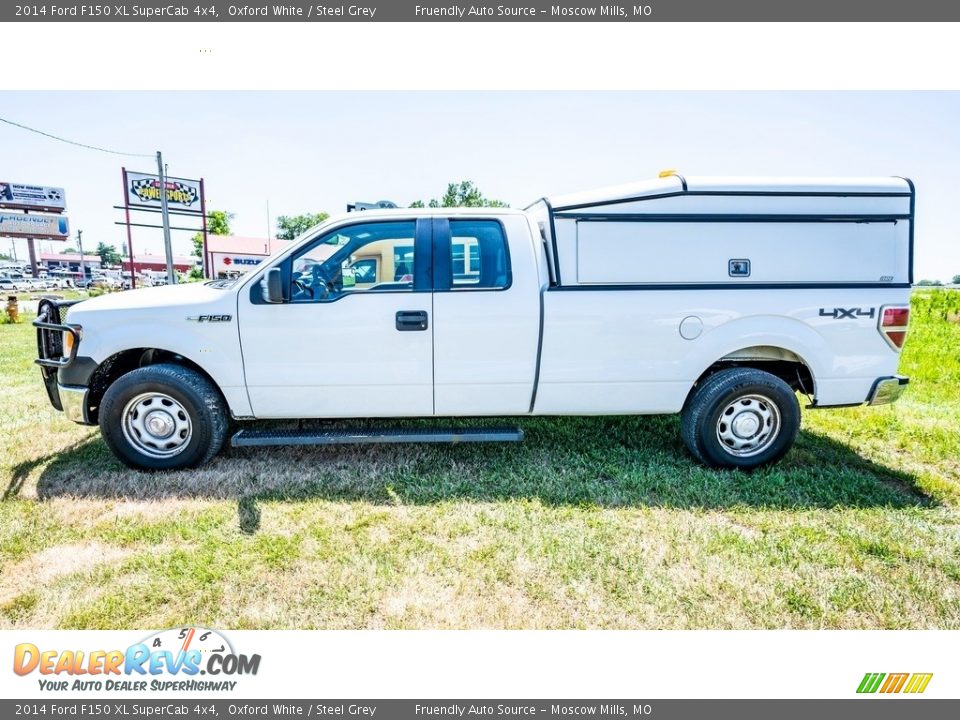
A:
(157, 264)
(67, 263)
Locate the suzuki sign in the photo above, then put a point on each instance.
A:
(234, 262)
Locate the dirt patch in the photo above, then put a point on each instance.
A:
(44, 567)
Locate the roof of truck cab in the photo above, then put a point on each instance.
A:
(406, 213)
(678, 184)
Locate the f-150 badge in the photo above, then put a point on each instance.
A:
(211, 318)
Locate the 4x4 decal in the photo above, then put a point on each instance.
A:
(843, 313)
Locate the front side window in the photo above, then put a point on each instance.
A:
(369, 257)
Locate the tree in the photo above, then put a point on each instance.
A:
(956, 280)
(929, 283)
(462, 194)
(291, 226)
(70, 251)
(218, 223)
(108, 254)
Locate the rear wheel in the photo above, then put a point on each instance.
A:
(740, 418)
(163, 417)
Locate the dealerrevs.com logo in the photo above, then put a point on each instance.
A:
(892, 683)
(173, 659)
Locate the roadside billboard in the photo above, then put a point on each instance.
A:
(43, 227)
(143, 190)
(17, 196)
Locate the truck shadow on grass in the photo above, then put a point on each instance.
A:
(597, 461)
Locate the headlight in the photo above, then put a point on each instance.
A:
(68, 340)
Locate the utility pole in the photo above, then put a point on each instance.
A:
(269, 230)
(83, 267)
(32, 254)
(168, 248)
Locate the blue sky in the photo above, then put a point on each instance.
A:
(311, 151)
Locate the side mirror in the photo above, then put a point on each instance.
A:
(272, 286)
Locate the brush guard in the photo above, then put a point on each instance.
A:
(50, 329)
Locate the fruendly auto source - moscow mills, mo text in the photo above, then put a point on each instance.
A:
(586, 11)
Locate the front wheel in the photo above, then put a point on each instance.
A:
(163, 417)
(740, 418)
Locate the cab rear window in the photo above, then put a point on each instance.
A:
(479, 255)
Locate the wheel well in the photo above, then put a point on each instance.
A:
(127, 360)
(784, 364)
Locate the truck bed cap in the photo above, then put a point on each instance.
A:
(677, 184)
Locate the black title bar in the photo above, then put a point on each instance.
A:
(532, 11)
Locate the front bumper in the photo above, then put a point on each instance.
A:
(74, 402)
(886, 390)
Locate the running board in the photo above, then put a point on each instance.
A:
(263, 438)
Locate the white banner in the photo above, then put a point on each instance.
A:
(143, 190)
(46, 227)
(447, 664)
(32, 197)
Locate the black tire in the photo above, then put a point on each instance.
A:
(754, 399)
(188, 403)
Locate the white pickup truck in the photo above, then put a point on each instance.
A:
(718, 298)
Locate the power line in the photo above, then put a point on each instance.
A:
(73, 142)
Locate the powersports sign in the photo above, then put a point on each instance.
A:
(143, 190)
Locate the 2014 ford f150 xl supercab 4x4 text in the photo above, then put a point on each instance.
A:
(718, 298)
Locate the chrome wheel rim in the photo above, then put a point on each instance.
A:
(157, 425)
(748, 425)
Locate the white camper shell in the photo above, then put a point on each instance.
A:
(692, 232)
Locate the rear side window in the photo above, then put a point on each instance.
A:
(478, 255)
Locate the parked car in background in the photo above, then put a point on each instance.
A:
(7, 285)
(104, 282)
(17, 278)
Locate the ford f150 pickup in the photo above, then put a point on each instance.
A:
(718, 298)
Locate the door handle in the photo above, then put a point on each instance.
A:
(412, 320)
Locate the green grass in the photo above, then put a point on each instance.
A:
(591, 522)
